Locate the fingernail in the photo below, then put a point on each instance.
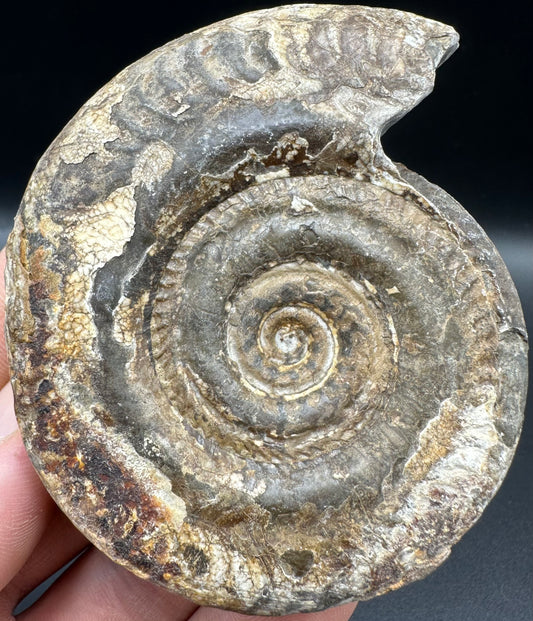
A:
(8, 436)
(8, 420)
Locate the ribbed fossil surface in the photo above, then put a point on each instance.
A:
(253, 359)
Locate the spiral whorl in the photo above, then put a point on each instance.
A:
(254, 360)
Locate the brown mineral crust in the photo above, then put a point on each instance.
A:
(253, 359)
(98, 486)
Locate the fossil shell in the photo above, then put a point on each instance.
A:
(253, 359)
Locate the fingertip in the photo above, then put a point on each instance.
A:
(8, 421)
(25, 508)
(96, 589)
(338, 613)
(4, 365)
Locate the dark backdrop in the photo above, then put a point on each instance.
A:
(472, 137)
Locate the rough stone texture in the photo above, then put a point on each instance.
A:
(253, 359)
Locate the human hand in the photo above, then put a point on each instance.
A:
(36, 540)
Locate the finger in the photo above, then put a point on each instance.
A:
(96, 589)
(4, 368)
(340, 613)
(25, 507)
(8, 422)
(60, 543)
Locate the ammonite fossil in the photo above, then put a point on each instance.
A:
(253, 359)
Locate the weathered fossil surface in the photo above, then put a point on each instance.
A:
(253, 359)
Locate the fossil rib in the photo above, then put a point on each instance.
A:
(254, 360)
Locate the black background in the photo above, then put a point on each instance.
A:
(472, 137)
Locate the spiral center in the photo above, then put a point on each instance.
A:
(297, 349)
(280, 342)
(285, 336)
(290, 340)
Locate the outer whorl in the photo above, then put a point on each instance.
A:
(253, 359)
